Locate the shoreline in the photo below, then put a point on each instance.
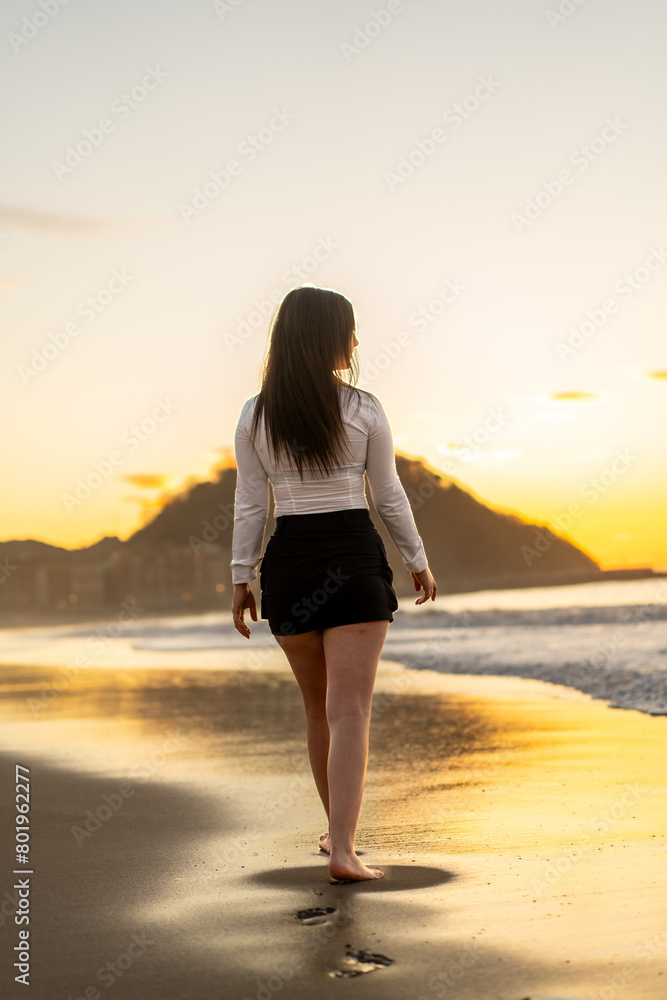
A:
(612, 652)
(101, 613)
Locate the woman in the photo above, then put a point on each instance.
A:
(326, 584)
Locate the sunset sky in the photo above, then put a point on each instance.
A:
(484, 181)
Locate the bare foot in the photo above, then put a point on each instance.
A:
(350, 867)
(325, 844)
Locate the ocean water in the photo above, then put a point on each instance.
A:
(606, 639)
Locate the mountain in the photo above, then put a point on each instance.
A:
(180, 559)
(469, 545)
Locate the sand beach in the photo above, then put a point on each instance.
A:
(174, 830)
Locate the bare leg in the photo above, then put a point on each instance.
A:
(305, 654)
(352, 654)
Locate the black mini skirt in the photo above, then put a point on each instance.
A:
(322, 570)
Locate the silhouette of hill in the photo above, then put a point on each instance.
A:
(466, 541)
(180, 559)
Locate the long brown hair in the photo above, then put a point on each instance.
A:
(301, 387)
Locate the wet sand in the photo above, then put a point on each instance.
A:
(175, 822)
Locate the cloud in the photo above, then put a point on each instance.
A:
(49, 224)
(227, 460)
(147, 480)
(7, 284)
(572, 397)
(464, 453)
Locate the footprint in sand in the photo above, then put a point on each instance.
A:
(359, 962)
(315, 915)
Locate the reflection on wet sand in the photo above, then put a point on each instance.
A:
(520, 828)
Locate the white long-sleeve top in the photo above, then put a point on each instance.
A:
(371, 449)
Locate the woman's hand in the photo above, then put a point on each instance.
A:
(243, 598)
(425, 581)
